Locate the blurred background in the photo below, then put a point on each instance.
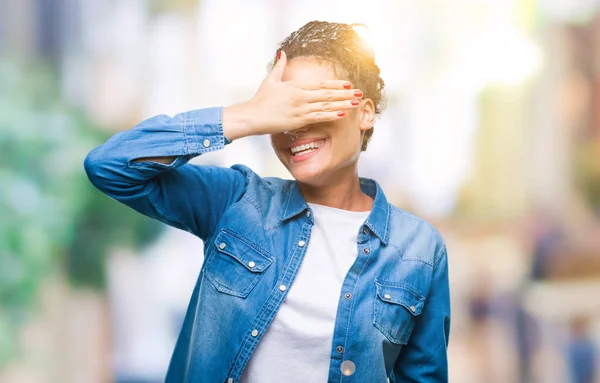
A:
(492, 133)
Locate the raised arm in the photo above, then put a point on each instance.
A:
(146, 167)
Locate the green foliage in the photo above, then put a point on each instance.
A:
(50, 214)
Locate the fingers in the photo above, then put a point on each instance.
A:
(316, 117)
(327, 84)
(331, 106)
(278, 68)
(329, 95)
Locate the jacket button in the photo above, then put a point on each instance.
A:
(222, 245)
(364, 231)
(348, 367)
(387, 296)
(206, 143)
(339, 349)
(230, 380)
(251, 264)
(366, 251)
(301, 243)
(413, 308)
(254, 333)
(347, 295)
(308, 214)
(282, 287)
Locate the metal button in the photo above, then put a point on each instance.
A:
(230, 380)
(339, 349)
(206, 143)
(222, 245)
(348, 367)
(282, 287)
(365, 231)
(255, 333)
(251, 264)
(413, 308)
(308, 214)
(387, 296)
(366, 251)
(301, 243)
(347, 295)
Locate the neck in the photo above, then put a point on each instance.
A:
(342, 192)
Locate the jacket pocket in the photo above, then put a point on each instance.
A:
(396, 310)
(235, 264)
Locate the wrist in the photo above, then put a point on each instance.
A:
(238, 121)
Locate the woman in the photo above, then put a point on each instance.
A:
(313, 280)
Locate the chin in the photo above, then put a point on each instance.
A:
(308, 176)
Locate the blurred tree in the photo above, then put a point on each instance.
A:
(50, 214)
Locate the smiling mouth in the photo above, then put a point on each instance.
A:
(301, 150)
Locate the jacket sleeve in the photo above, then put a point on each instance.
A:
(424, 358)
(186, 196)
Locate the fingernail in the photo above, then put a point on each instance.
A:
(358, 93)
(355, 102)
(278, 55)
(347, 85)
(341, 114)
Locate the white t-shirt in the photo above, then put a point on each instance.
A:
(297, 345)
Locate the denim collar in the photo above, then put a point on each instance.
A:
(378, 220)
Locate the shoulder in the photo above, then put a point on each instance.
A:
(415, 237)
(263, 190)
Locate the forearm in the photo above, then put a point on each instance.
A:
(239, 122)
(236, 123)
(134, 157)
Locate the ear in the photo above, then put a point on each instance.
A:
(367, 114)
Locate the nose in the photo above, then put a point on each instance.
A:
(296, 132)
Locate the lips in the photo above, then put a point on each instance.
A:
(297, 149)
(304, 149)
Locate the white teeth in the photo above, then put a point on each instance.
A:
(305, 152)
(301, 148)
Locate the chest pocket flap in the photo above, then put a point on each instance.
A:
(242, 251)
(396, 310)
(235, 265)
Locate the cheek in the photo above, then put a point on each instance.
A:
(349, 141)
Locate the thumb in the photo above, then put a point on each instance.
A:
(277, 71)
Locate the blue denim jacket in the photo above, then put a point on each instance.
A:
(393, 316)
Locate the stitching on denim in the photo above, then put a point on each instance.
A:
(267, 260)
(185, 135)
(401, 285)
(249, 243)
(268, 307)
(225, 289)
(251, 200)
(352, 302)
(387, 224)
(266, 185)
(424, 260)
